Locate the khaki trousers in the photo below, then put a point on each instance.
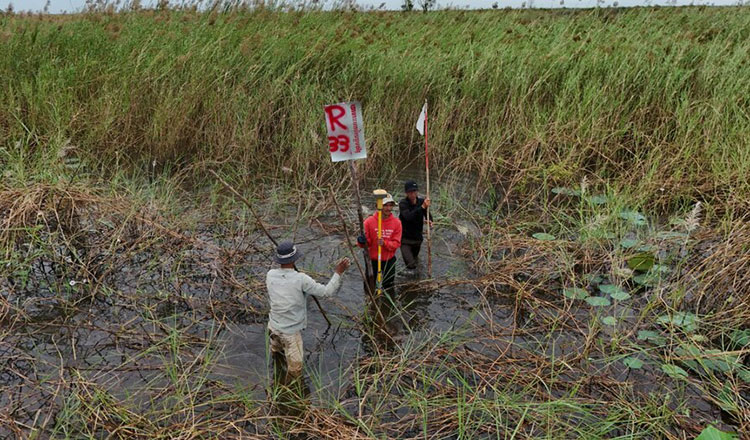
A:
(290, 347)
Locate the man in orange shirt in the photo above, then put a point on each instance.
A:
(389, 243)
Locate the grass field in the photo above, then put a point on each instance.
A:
(608, 155)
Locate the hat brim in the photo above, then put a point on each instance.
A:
(288, 260)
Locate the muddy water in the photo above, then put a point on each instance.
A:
(331, 350)
(98, 339)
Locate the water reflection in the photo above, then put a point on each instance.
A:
(397, 312)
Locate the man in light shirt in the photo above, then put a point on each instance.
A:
(287, 296)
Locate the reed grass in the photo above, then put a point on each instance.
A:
(653, 100)
(617, 133)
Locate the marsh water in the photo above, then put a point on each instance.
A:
(330, 350)
(419, 308)
(203, 296)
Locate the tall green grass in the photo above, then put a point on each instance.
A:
(655, 100)
(104, 118)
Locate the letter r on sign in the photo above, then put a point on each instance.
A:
(334, 113)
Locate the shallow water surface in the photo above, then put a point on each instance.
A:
(329, 351)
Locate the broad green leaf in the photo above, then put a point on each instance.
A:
(620, 296)
(598, 301)
(701, 360)
(674, 371)
(685, 320)
(646, 335)
(646, 279)
(615, 292)
(726, 398)
(711, 433)
(721, 361)
(594, 278)
(641, 262)
(566, 191)
(634, 217)
(575, 293)
(649, 335)
(661, 268)
(744, 374)
(543, 236)
(740, 338)
(633, 362)
(628, 243)
(609, 320)
(689, 353)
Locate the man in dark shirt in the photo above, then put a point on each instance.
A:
(412, 213)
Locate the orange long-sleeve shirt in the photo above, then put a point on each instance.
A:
(391, 236)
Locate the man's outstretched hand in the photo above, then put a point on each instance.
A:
(342, 265)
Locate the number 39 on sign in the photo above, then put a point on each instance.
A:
(346, 134)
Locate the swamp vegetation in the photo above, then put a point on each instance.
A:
(591, 194)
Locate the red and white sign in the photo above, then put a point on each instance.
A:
(346, 134)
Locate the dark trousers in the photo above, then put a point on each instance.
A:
(388, 269)
(410, 252)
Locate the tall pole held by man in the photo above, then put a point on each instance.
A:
(346, 142)
(422, 129)
(380, 194)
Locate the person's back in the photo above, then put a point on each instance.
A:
(287, 300)
(287, 295)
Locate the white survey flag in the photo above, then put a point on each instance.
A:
(422, 118)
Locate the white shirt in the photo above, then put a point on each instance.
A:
(287, 295)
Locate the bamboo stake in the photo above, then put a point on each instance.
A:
(365, 252)
(351, 249)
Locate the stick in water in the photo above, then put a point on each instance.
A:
(351, 247)
(260, 223)
(365, 252)
(427, 175)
